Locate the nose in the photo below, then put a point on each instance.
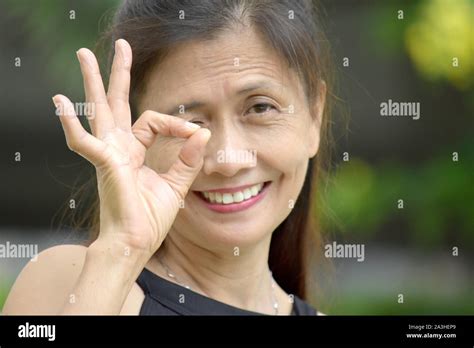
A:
(228, 151)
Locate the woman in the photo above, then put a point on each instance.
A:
(186, 226)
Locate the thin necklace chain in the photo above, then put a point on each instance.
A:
(171, 275)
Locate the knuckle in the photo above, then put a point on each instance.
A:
(180, 191)
(95, 74)
(176, 183)
(73, 142)
(147, 114)
(72, 145)
(150, 114)
(117, 96)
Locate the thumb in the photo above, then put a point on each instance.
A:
(190, 160)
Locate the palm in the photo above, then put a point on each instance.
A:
(131, 192)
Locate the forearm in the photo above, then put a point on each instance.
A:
(107, 277)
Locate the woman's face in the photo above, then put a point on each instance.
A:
(262, 136)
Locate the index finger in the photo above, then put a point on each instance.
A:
(152, 123)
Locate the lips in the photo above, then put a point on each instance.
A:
(233, 199)
(234, 196)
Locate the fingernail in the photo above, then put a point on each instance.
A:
(57, 105)
(55, 101)
(120, 50)
(208, 134)
(78, 55)
(192, 125)
(84, 58)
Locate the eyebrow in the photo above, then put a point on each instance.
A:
(187, 107)
(259, 85)
(196, 104)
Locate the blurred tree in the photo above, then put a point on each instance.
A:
(438, 198)
(440, 41)
(57, 29)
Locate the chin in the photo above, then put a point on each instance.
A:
(233, 234)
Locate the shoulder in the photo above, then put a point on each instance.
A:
(46, 282)
(49, 274)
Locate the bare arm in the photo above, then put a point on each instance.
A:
(52, 284)
(105, 281)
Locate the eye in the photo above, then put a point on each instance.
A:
(261, 108)
(200, 123)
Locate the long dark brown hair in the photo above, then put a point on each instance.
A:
(294, 29)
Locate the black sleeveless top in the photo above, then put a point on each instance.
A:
(163, 297)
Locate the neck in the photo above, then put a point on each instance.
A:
(238, 277)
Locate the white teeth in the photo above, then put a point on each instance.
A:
(238, 197)
(235, 197)
(227, 198)
(254, 190)
(212, 197)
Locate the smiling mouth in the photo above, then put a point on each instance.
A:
(225, 198)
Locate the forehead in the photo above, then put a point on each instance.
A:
(219, 67)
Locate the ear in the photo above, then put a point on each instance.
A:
(317, 109)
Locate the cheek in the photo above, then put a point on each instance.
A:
(291, 163)
(283, 145)
(163, 153)
(285, 152)
(292, 168)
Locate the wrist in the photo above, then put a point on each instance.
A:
(117, 254)
(108, 274)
